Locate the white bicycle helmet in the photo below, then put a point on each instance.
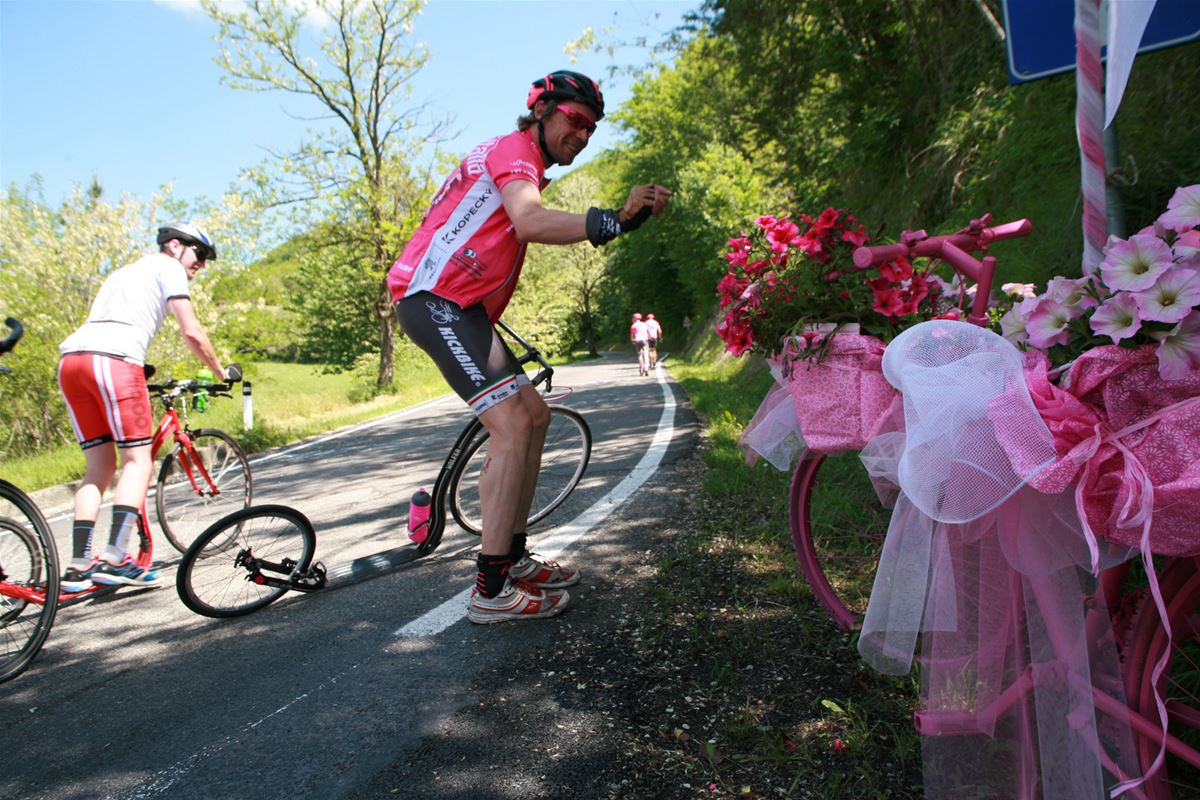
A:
(188, 233)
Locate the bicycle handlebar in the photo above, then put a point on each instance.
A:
(18, 330)
(974, 238)
(175, 388)
(955, 249)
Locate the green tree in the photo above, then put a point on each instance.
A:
(360, 75)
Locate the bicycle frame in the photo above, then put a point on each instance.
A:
(958, 723)
(367, 566)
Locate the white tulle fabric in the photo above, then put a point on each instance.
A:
(994, 578)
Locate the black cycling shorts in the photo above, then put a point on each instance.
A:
(473, 358)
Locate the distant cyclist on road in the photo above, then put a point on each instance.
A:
(654, 336)
(453, 281)
(639, 334)
(102, 379)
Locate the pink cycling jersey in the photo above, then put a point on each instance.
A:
(466, 249)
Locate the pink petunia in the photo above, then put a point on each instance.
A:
(1012, 324)
(1135, 263)
(1047, 325)
(765, 221)
(1172, 297)
(1117, 318)
(739, 251)
(1179, 351)
(1071, 292)
(1183, 209)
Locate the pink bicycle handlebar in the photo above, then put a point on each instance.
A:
(955, 249)
(918, 245)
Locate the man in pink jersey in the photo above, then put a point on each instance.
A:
(454, 280)
(639, 334)
(102, 379)
(653, 336)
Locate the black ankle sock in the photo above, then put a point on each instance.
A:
(518, 547)
(492, 572)
(124, 527)
(81, 538)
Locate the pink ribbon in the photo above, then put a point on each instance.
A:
(1137, 509)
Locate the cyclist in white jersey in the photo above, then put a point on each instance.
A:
(102, 379)
(453, 281)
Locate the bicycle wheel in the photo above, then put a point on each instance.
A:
(838, 526)
(1179, 684)
(228, 571)
(29, 581)
(185, 503)
(564, 458)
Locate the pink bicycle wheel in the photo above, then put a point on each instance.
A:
(1179, 776)
(838, 526)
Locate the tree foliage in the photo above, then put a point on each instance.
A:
(359, 76)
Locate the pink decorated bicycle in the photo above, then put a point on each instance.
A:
(837, 521)
(1054, 661)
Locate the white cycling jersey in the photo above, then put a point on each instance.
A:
(130, 308)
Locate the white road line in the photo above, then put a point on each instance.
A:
(454, 609)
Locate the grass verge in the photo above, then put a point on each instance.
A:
(778, 702)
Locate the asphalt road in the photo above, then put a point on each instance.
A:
(334, 694)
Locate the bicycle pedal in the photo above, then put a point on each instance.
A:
(314, 578)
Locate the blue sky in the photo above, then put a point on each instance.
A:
(128, 90)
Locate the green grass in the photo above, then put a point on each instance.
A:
(792, 708)
(291, 402)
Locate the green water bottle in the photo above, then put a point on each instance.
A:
(204, 377)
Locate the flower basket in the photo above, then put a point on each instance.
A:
(843, 400)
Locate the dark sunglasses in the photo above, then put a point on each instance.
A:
(199, 250)
(579, 122)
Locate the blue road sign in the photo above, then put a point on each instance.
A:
(1040, 34)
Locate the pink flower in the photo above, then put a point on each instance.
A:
(1134, 264)
(1070, 292)
(855, 236)
(739, 251)
(765, 221)
(1183, 209)
(1047, 325)
(1012, 324)
(782, 234)
(1179, 350)
(1117, 318)
(1022, 290)
(1172, 296)
(838, 744)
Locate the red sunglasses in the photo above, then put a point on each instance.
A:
(576, 120)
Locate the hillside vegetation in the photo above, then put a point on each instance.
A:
(897, 110)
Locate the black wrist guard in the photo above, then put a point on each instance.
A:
(635, 222)
(602, 226)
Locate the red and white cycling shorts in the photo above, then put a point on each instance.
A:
(107, 400)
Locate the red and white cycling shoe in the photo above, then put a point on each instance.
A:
(518, 600)
(543, 573)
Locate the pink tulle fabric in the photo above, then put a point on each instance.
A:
(992, 576)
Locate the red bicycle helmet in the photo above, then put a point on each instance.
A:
(567, 85)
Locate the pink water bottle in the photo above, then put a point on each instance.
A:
(418, 515)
